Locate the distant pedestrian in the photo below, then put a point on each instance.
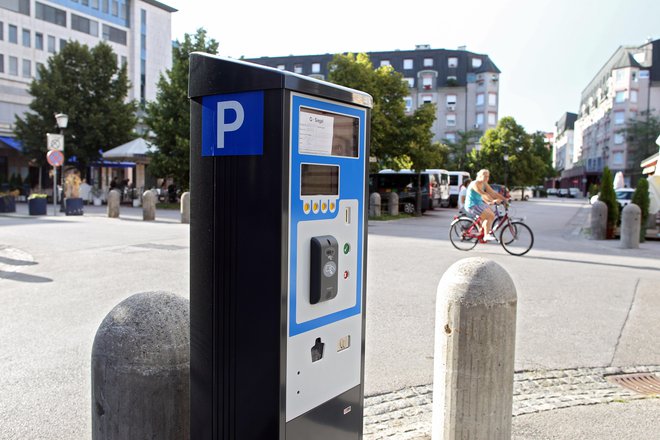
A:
(461, 195)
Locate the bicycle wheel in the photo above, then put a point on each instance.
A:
(463, 234)
(516, 238)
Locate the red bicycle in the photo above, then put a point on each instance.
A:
(515, 236)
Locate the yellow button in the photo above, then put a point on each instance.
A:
(306, 207)
(316, 206)
(332, 206)
(324, 206)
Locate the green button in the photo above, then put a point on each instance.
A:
(347, 248)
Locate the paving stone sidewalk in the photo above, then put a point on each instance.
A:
(406, 414)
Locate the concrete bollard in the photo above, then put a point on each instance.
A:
(141, 369)
(114, 197)
(185, 207)
(475, 334)
(599, 221)
(148, 206)
(393, 204)
(374, 205)
(631, 222)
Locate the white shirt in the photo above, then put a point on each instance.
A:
(461, 193)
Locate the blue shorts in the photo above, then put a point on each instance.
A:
(476, 210)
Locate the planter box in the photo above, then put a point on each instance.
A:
(38, 206)
(74, 206)
(7, 204)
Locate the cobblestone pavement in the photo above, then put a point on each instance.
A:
(406, 414)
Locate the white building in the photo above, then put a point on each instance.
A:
(139, 32)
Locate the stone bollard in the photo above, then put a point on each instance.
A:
(141, 370)
(185, 207)
(599, 221)
(114, 198)
(475, 334)
(374, 205)
(148, 206)
(393, 204)
(631, 222)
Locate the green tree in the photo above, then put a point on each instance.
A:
(388, 90)
(608, 197)
(641, 198)
(87, 85)
(169, 116)
(641, 134)
(458, 150)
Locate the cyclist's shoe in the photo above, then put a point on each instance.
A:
(490, 237)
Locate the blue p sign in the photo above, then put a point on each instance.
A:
(233, 124)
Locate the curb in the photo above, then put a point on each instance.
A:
(406, 414)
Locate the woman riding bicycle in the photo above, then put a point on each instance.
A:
(479, 196)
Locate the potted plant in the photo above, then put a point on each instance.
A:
(37, 204)
(8, 201)
(74, 203)
(96, 196)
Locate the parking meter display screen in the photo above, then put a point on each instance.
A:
(319, 180)
(327, 134)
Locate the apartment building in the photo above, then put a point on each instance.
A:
(627, 85)
(563, 140)
(139, 32)
(464, 85)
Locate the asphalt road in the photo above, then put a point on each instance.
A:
(580, 303)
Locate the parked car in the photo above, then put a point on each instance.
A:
(440, 188)
(501, 189)
(624, 196)
(562, 192)
(574, 192)
(404, 183)
(456, 179)
(522, 193)
(551, 191)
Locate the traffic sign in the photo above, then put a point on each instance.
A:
(55, 141)
(55, 158)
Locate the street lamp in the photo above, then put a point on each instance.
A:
(62, 121)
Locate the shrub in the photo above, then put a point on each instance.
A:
(641, 198)
(608, 197)
(593, 190)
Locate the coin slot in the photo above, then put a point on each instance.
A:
(317, 350)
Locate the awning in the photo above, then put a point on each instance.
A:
(12, 143)
(135, 150)
(111, 164)
(649, 170)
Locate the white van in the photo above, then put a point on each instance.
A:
(441, 189)
(456, 179)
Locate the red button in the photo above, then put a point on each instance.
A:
(345, 274)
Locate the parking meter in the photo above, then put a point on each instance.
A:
(278, 172)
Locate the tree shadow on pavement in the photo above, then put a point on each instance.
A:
(23, 277)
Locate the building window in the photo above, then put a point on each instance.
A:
(452, 62)
(410, 82)
(13, 66)
(618, 75)
(427, 82)
(480, 99)
(37, 70)
(50, 14)
(95, 4)
(451, 137)
(451, 120)
(407, 64)
(492, 118)
(451, 99)
(617, 158)
(39, 41)
(480, 119)
(105, 6)
(476, 63)
(428, 62)
(20, 6)
(82, 24)
(492, 99)
(62, 44)
(13, 34)
(620, 96)
(2, 31)
(384, 63)
(619, 118)
(633, 96)
(27, 69)
(633, 76)
(316, 67)
(115, 8)
(2, 63)
(409, 103)
(297, 68)
(619, 138)
(27, 38)
(281, 67)
(51, 44)
(427, 99)
(113, 34)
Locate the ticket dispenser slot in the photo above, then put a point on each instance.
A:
(323, 269)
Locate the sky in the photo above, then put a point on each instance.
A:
(548, 51)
